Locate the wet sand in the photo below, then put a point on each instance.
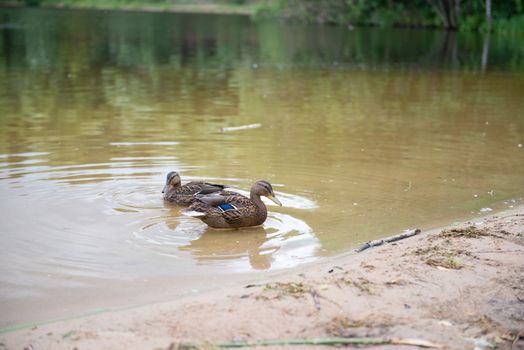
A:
(459, 287)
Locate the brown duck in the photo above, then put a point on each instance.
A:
(232, 210)
(174, 191)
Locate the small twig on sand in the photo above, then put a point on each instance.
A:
(517, 337)
(314, 295)
(387, 240)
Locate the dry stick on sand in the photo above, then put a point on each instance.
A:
(387, 240)
(316, 341)
(314, 295)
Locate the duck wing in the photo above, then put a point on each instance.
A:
(192, 188)
(234, 216)
(233, 207)
(207, 188)
(222, 198)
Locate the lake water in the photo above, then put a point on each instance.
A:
(363, 134)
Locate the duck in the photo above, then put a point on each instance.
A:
(184, 195)
(227, 209)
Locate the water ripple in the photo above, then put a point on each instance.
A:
(93, 209)
(282, 241)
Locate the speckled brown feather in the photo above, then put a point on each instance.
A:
(174, 191)
(185, 195)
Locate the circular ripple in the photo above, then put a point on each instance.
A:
(88, 210)
(132, 198)
(282, 241)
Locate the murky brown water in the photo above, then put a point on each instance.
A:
(363, 134)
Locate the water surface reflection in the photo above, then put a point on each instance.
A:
(363, 133)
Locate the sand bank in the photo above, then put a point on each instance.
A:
(460, 287)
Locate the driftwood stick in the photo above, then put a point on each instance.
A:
(387, 240)
(363, 247)
(402, 236)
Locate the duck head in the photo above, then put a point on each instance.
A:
(264, 188)
(172, 181)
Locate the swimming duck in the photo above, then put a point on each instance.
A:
(174, 191)
(232, 210)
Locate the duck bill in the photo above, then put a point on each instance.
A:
(164, 189)
(274, 199)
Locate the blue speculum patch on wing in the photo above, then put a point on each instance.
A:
(226, 206)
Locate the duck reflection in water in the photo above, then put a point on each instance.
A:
(214, 245)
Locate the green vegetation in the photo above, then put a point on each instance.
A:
(466, 15)
(448, 263)
(468, 232)
(293, 289)
(439, 256)
(505, 17)
(199, 6)
(131, 39)
(355, 12)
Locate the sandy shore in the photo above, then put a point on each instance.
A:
(460, 287)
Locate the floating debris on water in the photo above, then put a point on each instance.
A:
(485, 210)
(241, 127)
(152, 143)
